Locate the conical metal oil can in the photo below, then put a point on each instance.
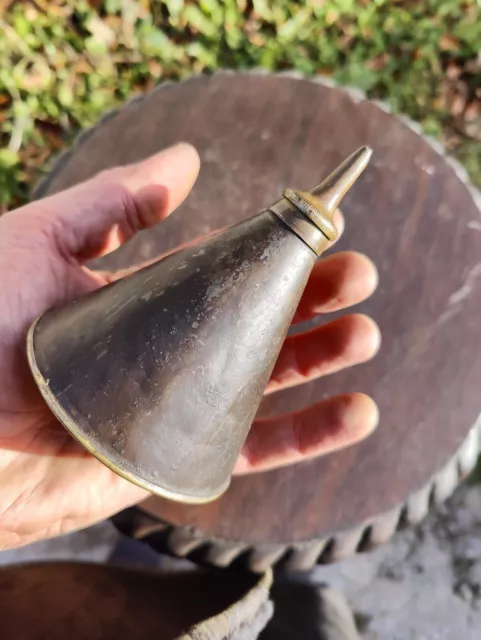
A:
(160, 374)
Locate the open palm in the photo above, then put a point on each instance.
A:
(50, 485)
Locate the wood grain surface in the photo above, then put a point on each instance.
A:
(86, 601)
(410, 213)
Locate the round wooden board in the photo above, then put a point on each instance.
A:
(411, 213)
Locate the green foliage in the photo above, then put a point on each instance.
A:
(64, 62)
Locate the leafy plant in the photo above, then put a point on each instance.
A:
(64, 62)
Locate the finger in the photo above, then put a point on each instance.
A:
(95, 217)
(337, 282)
(332, 347)
(326, 427)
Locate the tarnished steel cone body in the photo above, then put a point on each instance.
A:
(160, 374)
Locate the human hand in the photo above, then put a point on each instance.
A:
(49, 484)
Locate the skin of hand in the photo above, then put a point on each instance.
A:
(49, 484)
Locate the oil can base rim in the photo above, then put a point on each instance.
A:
(69, 424)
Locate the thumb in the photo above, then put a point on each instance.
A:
(97, 216)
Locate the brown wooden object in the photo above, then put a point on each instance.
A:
(93, 602)
(413, 214)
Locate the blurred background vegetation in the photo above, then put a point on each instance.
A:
(64, 62)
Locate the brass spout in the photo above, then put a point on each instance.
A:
(332, 190)
(320, 203)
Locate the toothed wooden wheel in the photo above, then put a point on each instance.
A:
(414, 214)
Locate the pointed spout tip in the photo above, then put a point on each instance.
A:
(361, 158)
(333, 189)
(364, 150)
